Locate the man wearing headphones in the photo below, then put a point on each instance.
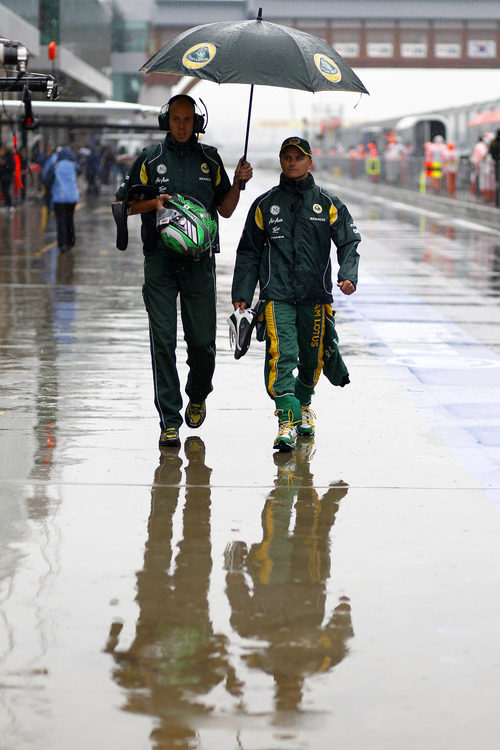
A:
(180, 165)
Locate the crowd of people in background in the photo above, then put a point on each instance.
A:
(442, 162)
(438, 170)
(103, 167)
(57, 177)
(99, 167)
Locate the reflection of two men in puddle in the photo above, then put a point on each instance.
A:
(276, 589)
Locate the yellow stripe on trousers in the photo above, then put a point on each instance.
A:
(323, 309)
(274, 347)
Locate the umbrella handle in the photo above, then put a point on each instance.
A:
(242, 182)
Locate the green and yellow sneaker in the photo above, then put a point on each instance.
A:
(195, 414)
(287, 435)
(169, 438)
(306, 427)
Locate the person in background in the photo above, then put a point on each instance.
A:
(6, 174)
(285, 247)
(108, 162)
(434, 154)
(450, 169)
(494, 149)
(93, 172)
(21, 186)
(394, 157)
(478, 153)
(47, 176)
(65, 195)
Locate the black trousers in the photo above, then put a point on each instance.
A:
(65, 225)
(167, 279)
(5, 186)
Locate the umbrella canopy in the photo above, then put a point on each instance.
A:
(485, 118)
(259, 53)
(256, 52)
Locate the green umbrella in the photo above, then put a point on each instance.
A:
(256, 52)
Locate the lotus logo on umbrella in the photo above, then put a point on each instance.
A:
(327, 68)
(199, 55)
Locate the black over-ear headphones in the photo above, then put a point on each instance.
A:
(163, 117)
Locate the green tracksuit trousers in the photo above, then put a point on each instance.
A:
(294, 341)
(166, 278)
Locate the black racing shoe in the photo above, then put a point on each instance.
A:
(195, 414)
(169, 438)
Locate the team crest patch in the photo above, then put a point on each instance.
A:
(275, 210)
(204, 168)
(327, 68)
(199, 55)
(161, 168)
(317, 208)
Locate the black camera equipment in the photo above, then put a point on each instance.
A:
(14, 59)
(15, 54)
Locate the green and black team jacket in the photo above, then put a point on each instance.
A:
(191, 169)
(286, 243)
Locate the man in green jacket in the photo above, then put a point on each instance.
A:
(285, 247)
(180, 165)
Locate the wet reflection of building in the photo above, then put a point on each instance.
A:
(37, 320)
(175, 658)
(277, 589)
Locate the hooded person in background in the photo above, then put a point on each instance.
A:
(285, 247)
(6, 174)
(47, 176)
(93, 172)
(65, 195)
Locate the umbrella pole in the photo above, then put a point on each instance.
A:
(242, 182)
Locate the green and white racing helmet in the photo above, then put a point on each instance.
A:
(186, 226)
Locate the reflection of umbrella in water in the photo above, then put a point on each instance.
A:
(256, 52)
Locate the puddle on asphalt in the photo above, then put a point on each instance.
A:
(211, 629)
